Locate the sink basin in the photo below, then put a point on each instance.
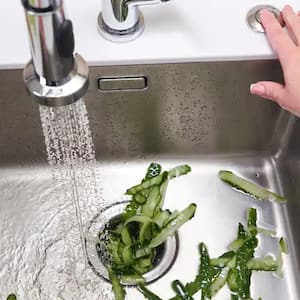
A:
(196, 113)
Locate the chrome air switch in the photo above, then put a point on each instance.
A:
(253, 17)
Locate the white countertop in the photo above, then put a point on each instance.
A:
(176, 31)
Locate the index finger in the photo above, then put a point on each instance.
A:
(278, 38)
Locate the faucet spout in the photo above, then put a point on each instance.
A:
(121, 20)
(55, 76)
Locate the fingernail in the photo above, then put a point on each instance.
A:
(257, 89)
(288, 9)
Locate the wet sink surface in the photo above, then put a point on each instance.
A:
(199, 114)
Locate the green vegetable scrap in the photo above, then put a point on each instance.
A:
(131, 243)
(118, 289)
(283, 246)
(250, 188)
(11, 297)
(207, 274)
(239, 276)
(147, 293)
(234, 267)
(181, 291)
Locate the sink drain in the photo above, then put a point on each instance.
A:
(165, 255)
(253, 16)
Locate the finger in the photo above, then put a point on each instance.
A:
(279, 39)
(269, 90)
(292, 22)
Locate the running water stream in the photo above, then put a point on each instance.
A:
(71, 154)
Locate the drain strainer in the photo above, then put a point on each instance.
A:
(165, 255)
(253, 16)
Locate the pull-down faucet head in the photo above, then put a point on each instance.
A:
(54, 76)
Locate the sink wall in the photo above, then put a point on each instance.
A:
(194, 108)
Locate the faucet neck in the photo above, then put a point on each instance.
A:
(51, 39)
(42, 5)
(55, 76)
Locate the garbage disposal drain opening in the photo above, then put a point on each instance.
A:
(165, 257)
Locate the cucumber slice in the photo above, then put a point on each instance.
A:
(250, 188)
(147, 184)
(142, 252)
(161, 217)
(126, 238)
(140, 219)
(236, 244)
(283, 246)
(173, 226)
(181, 291)
(219, 282)
(282, 249)
(152, 202)
(132, 279)
(147, 293)
(118, 289)
(223, 260)
(143, 265)
(145, 233)
(139, 198)
(127, 255)
(179, 171)
(268, 263)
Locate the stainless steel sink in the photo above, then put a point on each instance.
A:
(195, 113)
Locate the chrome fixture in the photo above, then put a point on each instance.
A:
(121, 20)
(253, 17)
(55, 76)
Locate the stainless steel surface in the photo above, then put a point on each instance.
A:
(54, 76)
(197, 113)
(122, 83)
(253, 16)
(121, 20)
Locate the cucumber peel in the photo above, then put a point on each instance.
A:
(250, 188)
(131, 242)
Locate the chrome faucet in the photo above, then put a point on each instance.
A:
(121, 20)
(55, 76)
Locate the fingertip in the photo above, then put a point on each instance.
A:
(266, 17)
(257, 89)
(288, 8)
(265, 13)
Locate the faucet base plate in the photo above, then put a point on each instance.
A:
(121, 36)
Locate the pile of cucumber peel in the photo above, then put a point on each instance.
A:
(145, 225)
(131, 245)
(234, 267)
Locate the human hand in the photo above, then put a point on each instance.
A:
(286, 44)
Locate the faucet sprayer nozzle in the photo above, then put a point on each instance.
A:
(54, 76)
